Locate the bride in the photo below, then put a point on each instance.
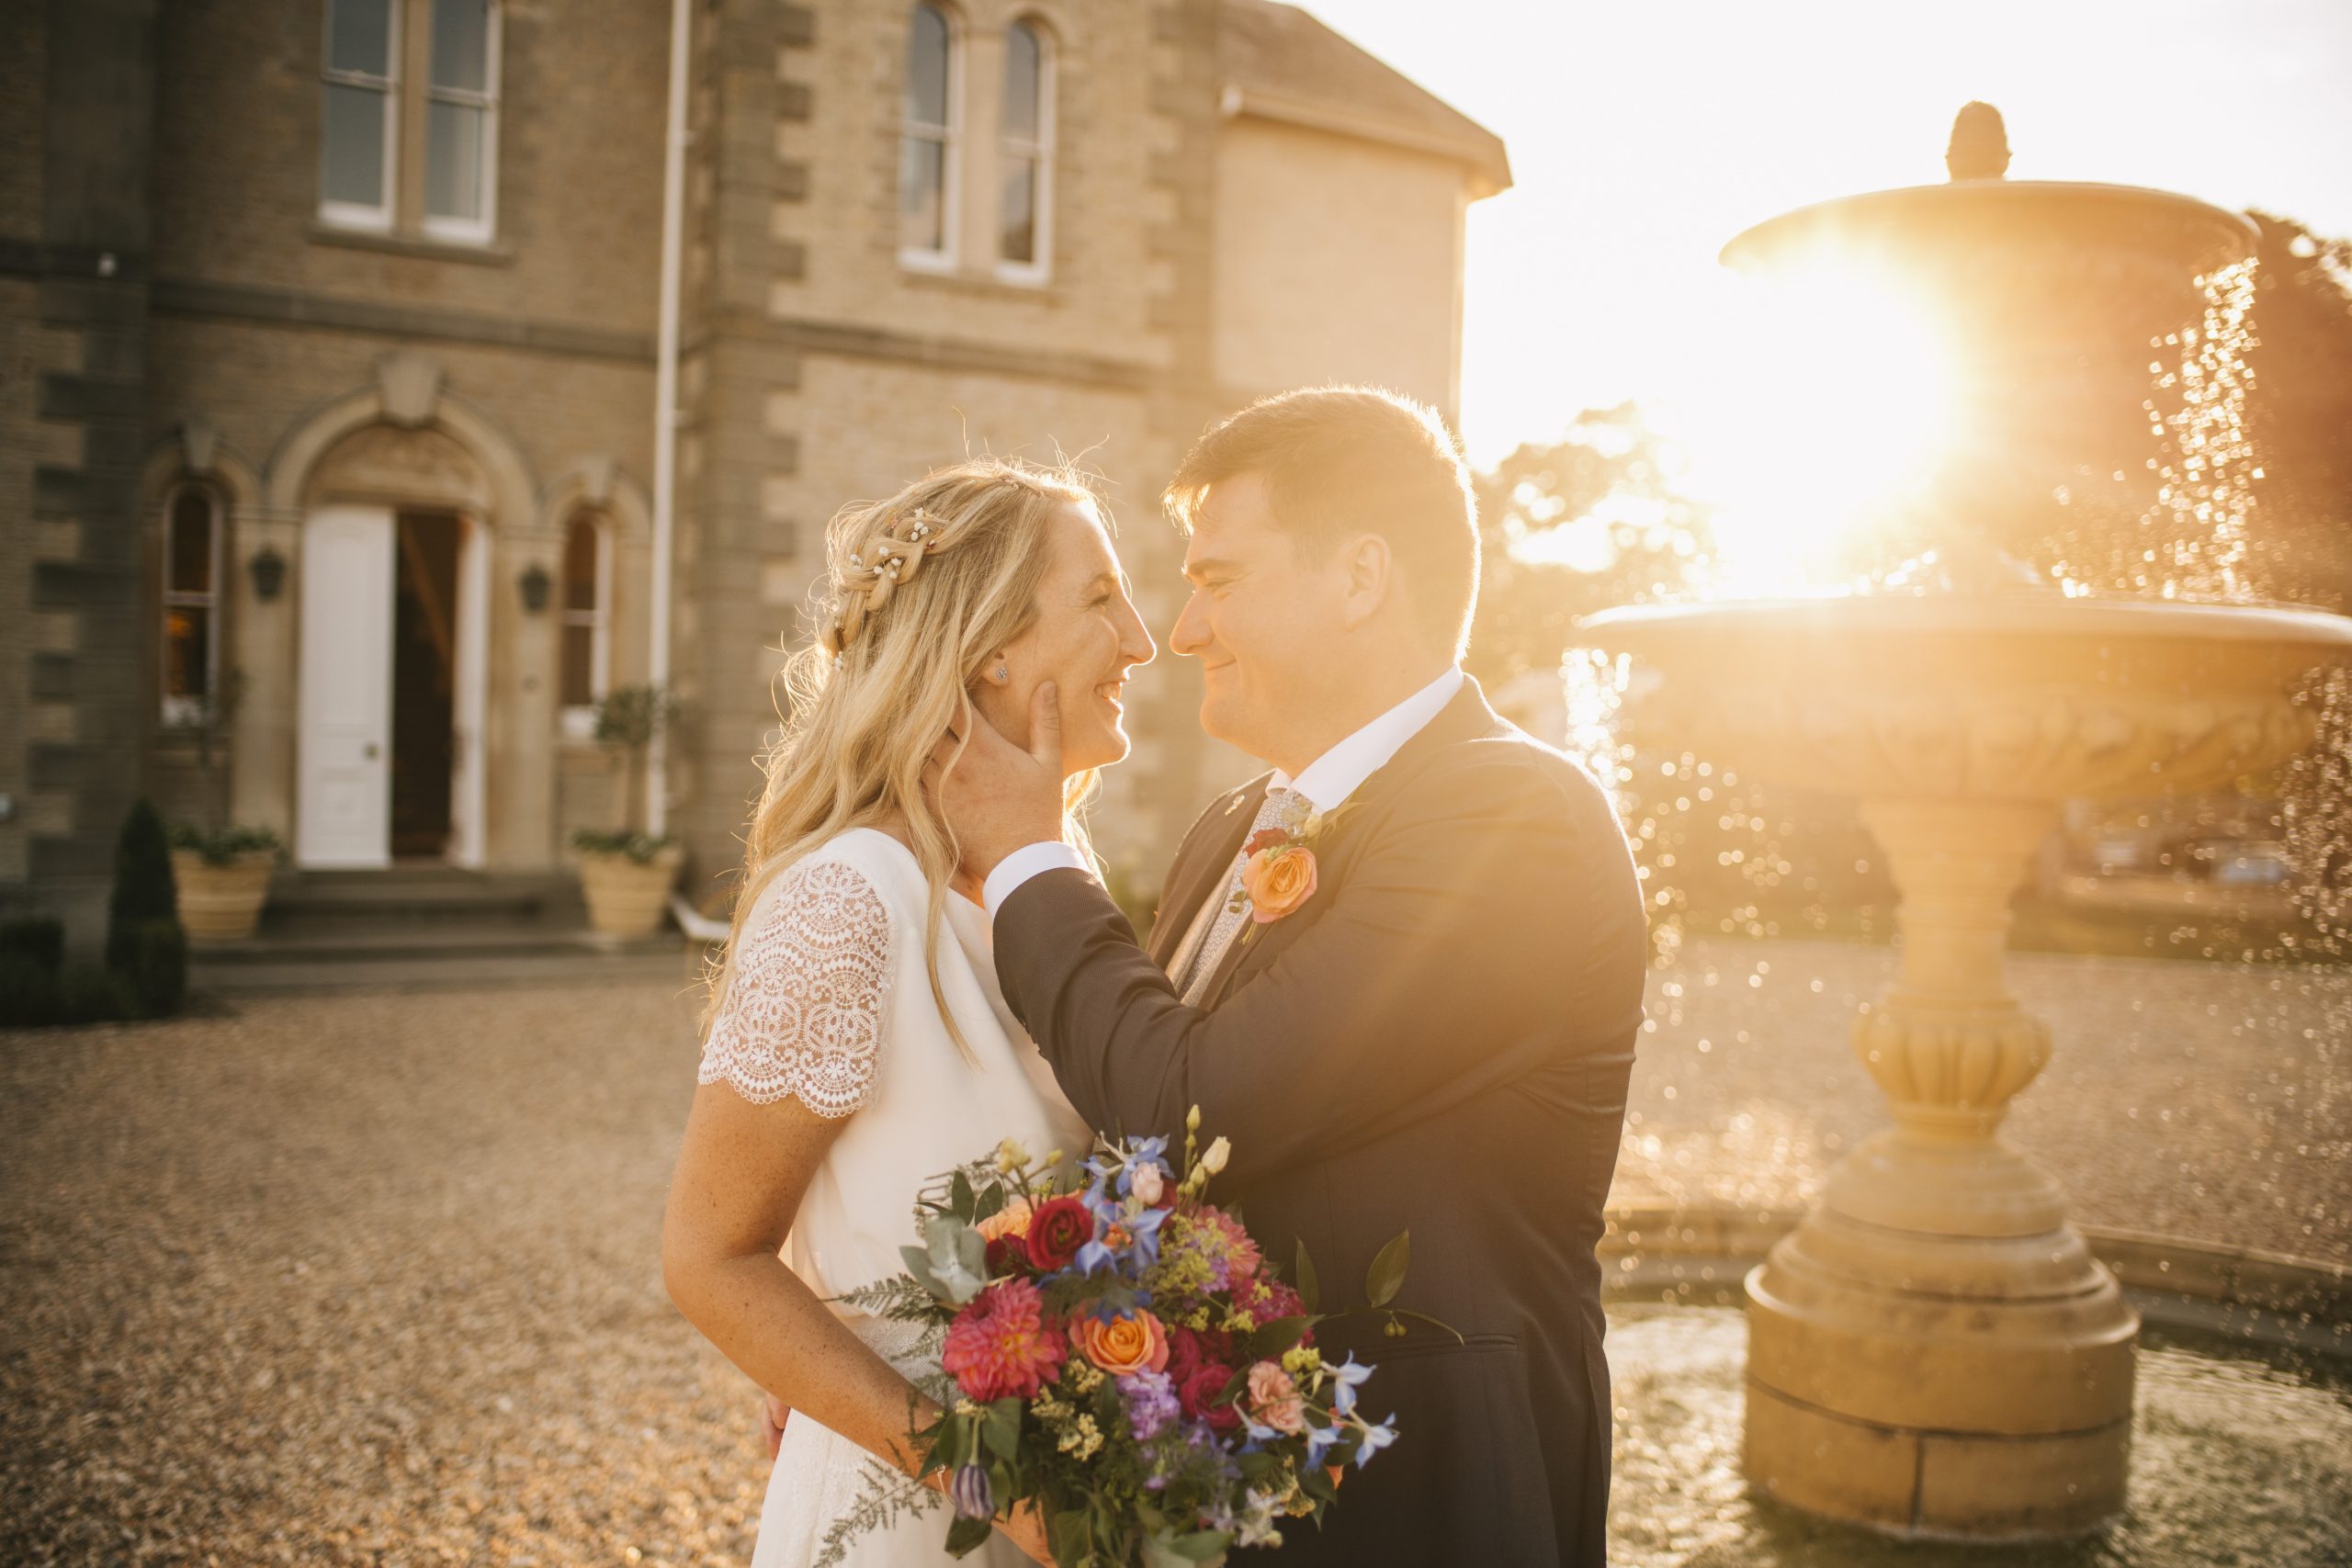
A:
(856, 1042)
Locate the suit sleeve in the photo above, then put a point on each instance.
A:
(1432, 976)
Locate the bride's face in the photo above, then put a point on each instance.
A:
(1085, 638)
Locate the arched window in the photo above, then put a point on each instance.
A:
(1025, 156)
(587, 620)
(191, 604)
(927, 151)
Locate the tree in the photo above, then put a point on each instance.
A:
(1587, 522)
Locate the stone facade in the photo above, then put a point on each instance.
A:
(174, 312)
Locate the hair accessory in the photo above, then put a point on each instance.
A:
(891, 558)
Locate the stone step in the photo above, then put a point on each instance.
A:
(353, 942)
(673, 966)
(439, 893)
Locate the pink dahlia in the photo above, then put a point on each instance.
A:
(1002, 1343)
(1233, 1257)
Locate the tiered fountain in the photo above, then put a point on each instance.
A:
(1934, 1350)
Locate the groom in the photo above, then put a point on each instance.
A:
(1432, 1032)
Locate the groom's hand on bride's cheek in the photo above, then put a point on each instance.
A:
(997, 796)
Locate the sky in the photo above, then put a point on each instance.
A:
(1645, 133)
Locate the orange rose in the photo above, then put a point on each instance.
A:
(1123, 1346)
(1278, 881)
(1010, 1220)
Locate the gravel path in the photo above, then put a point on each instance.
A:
(2198, 1099)
(372, 1279)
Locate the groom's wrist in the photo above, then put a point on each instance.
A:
(1029, 861)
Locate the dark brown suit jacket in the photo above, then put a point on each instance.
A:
(1437, 1041)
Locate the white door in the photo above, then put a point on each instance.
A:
(345, 805)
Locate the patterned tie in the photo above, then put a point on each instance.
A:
(1205, 958)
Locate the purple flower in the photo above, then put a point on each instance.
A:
(971, 1493)
(1151, 1404)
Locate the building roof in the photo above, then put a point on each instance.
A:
(1277, 63)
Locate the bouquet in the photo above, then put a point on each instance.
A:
(1117, 1352)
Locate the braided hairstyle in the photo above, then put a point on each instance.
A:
(921, 593)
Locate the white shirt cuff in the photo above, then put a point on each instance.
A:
(1030, 860)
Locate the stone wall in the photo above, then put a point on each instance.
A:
(1337, 260)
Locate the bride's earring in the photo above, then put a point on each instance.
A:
(1002, 674)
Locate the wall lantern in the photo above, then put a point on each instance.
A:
(536, 584)
(269, 570)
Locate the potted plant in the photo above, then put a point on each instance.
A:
(222, 870)
(626, 873)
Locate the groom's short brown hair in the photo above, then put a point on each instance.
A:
(1345, 459)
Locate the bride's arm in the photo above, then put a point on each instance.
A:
(738, 1181)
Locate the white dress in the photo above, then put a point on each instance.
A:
(830, 1002)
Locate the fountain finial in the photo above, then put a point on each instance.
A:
(1979, 149)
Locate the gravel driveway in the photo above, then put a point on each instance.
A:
(371, 1278)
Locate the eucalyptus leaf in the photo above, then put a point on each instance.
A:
(1310, 1289)
(991, 1202)
(1387, 1275)
(960, 1201)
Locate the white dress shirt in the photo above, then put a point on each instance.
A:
(1326, 783)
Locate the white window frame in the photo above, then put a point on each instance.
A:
(579, 721)
(351, 214)
(950, 138)
(468, 230)
(1040, 271)
(179, 710)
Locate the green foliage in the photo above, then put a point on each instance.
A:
(39, 938)
(33, 993)
(151, 958)
(1611, 485)
(639, 847)
(1387, 1275)
(144, 888)
(627, 718)
(145, 946)
(219, 846)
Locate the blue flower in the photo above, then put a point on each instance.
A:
(1350, 1377)
(1375, 1437)
(1319, 1440)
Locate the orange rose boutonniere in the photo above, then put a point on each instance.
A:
(1279, 874)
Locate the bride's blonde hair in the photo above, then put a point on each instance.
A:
(921, 589)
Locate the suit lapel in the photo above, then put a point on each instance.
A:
(1466, 718)
(1207, 858)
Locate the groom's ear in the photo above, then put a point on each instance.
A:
(1367, 569)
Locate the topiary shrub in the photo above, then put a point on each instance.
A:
(152, 963)
(145, 946)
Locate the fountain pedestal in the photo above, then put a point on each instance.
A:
(1934, 1350)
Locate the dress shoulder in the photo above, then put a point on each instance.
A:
(808, 991)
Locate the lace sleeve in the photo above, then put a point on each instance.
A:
(803, 1011)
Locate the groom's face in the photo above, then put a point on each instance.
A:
(1264, 620)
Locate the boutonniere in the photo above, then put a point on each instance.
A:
(1278, 871)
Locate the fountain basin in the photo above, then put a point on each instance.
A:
(2016, 696)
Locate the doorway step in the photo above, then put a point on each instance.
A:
(431, 926)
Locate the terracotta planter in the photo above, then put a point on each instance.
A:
(222, 903)
(625, 898)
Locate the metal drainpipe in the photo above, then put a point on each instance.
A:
(666, 403)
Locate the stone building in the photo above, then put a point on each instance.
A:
(330, 348)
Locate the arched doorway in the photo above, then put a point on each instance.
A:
(393, 642)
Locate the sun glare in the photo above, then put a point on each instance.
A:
(1823, 414)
